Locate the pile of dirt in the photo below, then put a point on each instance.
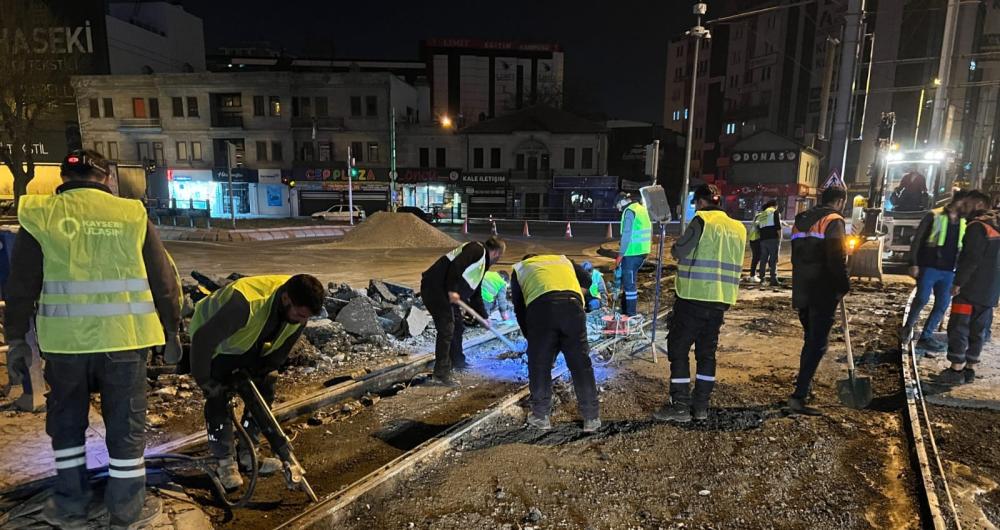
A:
(395, 230)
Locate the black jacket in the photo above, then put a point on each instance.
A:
(517, 296)
(924, 255)
(978, 273)
(446, 275)
(819, 267)
(771, 232)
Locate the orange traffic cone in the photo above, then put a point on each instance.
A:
(611, 233)
(569, 231)
(524, 231)
(465, 226)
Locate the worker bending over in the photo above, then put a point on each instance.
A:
(495, 294)
(976, 290)
(710, 259)
(819, 283)
(637, 233)
(247, 326)
(105, 293)
(548, 301)
(457, 275)
(598, 292)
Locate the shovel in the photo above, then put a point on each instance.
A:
(855, 392)
(486, 324)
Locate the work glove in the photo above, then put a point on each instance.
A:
(19, 355)
(212, 388)
(172, 350)
(618, 261)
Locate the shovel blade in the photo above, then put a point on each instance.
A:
(855, 392)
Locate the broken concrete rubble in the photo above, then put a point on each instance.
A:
(359, 318)
(379, 290)
(417, 321)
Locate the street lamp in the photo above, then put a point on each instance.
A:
(446, 122)
(698, 33)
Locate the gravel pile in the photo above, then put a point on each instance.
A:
(395, 230)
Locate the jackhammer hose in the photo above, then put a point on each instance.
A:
(202, 464)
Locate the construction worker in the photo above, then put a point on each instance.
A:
(710, 259)
(457, 275)
(597, 294)
(105, 293)
(495, 293)
(247, 326)
(548, 301)
(768, 225)
(933, 256)
(637, 232)
(975, 291)
(753, 235)
(819, 282)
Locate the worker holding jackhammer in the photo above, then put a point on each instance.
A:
(247, 326)
(456, 276)
(91, 270)
(547, 292)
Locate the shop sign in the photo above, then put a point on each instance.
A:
(421, 175)
(781, 155)
(380, 187)
(326, 174)
(240, 174)
(189, 175)
(482, 180)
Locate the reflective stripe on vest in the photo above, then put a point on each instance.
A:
(818, 229)
(712, 272)
(492, 284)
(259, 292)
(545, 274)
(642, 231)
(95, 295)
(939, 229)
(473, 274)
(595, 282)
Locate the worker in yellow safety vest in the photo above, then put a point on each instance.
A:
(597, 295)
(710, 259)
(494, 289)
(247, 326)
(636, 241)
(91, 271)
(547, 292)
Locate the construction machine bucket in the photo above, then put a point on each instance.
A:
(866, 261)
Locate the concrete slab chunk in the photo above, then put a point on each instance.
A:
(417, 321)
(359, 318)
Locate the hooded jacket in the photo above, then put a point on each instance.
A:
(978, 272)
(819, 266)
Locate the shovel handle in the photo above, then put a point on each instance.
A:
(472, 312)
(847, 339)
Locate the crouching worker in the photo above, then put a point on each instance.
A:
(494, 289)
(548, 301)
(249, 325)
(598, 291)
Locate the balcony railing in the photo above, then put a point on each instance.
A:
(323, 123)
(139, 123)
(227, 120)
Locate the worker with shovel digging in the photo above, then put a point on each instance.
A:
(819, 283)
(248, 326)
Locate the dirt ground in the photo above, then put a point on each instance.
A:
(749, 465)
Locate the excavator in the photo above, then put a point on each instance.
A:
(905, 185)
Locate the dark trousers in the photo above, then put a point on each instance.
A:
(630, 291)
(817, 320)
(696, 325)
(554, 326)
(754, 256)
(450, 328)
(968, 328)
(120, 377)
(217, 419)
(769, 257)
(935, 281)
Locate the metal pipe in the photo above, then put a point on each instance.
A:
(940, 115)
(824, 98)
(845, 85)
(697, 33)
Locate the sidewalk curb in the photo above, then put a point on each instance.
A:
(180, 233)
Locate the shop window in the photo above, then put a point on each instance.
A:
(587, 158)
(113, 150)
(495, 158)
(95, 109)
(192, 107)
(425, 157)
(240, 197)
(262, 151)
(356, 106)
(109, 108)
(182, 151)
(138, 108)
(258, 106)
(373, 155)
(276, 152)
(477, 158)
(196, 151)
(440, 159)
(569, 158)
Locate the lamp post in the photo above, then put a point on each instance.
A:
(698, 32)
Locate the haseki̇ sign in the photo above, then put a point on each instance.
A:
(783, 155)
(56, 35)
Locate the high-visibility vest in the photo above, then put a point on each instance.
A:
(259, 292)
(492, 285)
(765, 219)
(595, 282)
(473, 274)
(95, 293)
(642, 231)
(939, 229)
(712, 272)
(545, 274)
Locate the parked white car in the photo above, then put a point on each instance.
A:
(340, 213)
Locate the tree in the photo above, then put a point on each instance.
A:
(32, 87)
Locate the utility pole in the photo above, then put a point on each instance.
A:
(824, 97)
(940, 115)
(230, 163)
(839, 138)
(392, 159)
(698, 32)
(350, 185)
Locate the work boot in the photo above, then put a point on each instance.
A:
(461, 367)
(229, 474)
(443, 380)
(775, 283)
(151, 509)
(930, 344)
(754, 279)
(266, 466)
(905, 334)
(699, 412)
(675, 412)
(56, 518)
(798, 406)
(542, 423)
(590, 426)
(951, 377)
(970, 375)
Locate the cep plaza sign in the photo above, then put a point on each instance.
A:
(783, 155)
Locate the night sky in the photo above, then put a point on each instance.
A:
(615, 50)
